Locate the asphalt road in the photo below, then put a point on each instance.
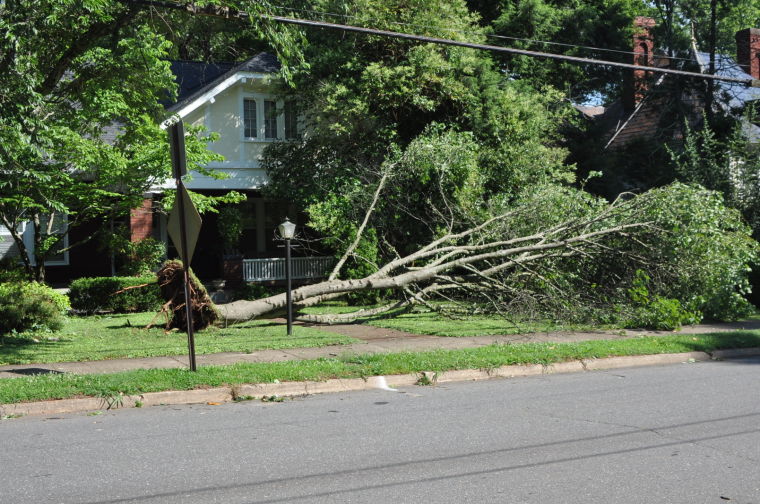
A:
(687, 433)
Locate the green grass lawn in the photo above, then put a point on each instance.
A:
(141, 381)
(436, 324)
(423, 321)
(101, 337)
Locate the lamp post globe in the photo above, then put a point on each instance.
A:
(287, 230)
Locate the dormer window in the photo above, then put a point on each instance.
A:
(249, 118)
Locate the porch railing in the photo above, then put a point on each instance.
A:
(262, 270)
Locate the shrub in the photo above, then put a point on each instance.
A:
(95, 294)
(31, 305)
(230, 225)
(142, 257)
(655, 311)
(11, 270)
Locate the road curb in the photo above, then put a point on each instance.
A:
(221, 395)
(644, 360)
(735, 353)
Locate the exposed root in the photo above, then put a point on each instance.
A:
(171, 281)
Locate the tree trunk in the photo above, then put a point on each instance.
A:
(39, 259)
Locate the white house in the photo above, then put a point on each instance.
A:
(241, 104)
(239, 101)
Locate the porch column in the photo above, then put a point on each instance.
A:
(261, 236)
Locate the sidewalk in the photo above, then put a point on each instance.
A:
(372, 340)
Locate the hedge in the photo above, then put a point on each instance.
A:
(98, 294)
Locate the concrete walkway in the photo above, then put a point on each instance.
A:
(372, 340)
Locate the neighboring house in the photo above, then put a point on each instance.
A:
(7, 247)
(732, 97)
(239, 102)
(647, 107)
(628, 140)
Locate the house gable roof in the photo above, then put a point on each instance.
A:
(199, 82)
(191, 76)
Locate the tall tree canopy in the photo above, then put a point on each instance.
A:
(71, 71)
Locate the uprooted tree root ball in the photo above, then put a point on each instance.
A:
(171, 281)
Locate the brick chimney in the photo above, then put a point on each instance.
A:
(637, 81)
(748, 51)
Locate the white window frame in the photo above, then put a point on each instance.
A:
(256, 119)
(260, 118)
(28, 237)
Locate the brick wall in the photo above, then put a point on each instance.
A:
(141, 221)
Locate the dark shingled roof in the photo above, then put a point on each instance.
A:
(190, 76)
(737, 95)
(194, 77)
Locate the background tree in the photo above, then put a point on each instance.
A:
(442, 124)
(410, 143)
(599, 29)
(71, 70)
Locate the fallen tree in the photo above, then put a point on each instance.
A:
(477, 258)
(676, 251)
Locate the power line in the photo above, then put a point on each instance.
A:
(465, 32)
(227, 13)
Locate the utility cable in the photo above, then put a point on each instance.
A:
(227, 13)
(464, 32)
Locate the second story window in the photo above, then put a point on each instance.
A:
(249, 119)
(270, 119)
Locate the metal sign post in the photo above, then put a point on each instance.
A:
(179, 167)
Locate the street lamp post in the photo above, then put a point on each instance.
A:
(287, 231)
